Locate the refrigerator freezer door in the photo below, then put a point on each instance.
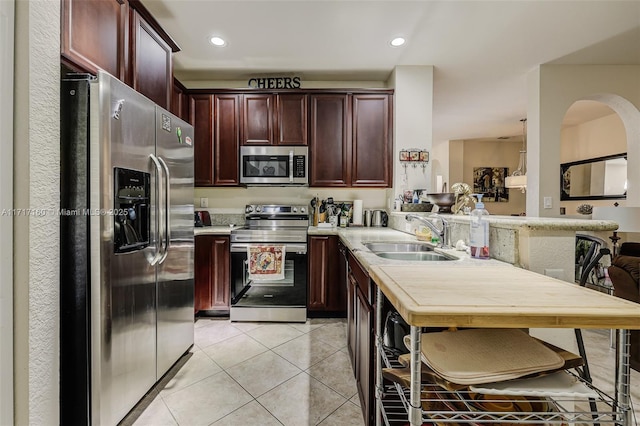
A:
(123, 285)
(174, 149)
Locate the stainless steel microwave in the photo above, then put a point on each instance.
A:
(274, 165)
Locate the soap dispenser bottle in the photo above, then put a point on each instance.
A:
(479, 231)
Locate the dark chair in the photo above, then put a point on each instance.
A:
(589, 272)
(626, 284)
(589, 269)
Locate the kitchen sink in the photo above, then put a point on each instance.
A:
(398, 247)
(416, 255)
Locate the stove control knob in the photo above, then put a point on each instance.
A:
(248, 209)
(295, 210)
(258, 209)
(302, 210)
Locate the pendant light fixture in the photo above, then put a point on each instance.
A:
(518, 179)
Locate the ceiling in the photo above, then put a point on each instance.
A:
(481, 50)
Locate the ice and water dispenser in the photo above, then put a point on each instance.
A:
(131, 210)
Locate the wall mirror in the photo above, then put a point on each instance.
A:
(594, 179)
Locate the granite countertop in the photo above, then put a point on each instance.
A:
(533, 223)
(480, 293)
(355, 238)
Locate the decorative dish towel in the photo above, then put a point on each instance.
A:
(266, 262)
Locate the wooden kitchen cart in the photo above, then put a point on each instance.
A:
(496, 296)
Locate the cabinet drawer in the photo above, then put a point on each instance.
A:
(362, 278)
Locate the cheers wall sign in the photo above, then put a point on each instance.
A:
(274, 83)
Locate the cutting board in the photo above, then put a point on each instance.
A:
(486, 355)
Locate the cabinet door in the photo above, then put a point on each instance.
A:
(93, 35)
(180, 101)
(364, 350)
(150, 62)
(352, 322)
(371, 146)
(226, 140)
(212, 273)
(201, 112)
(329, 141)
(326, 289)
(291, 119)
(257, 119)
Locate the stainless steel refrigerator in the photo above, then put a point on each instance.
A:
(127, 247)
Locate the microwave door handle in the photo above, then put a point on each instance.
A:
(158, 168)
(167, 213)
(291, 166)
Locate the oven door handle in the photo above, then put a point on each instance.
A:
(289, 248)
(282, 238)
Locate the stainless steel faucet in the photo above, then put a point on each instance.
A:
(443, 233)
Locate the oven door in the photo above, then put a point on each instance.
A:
(269, 300)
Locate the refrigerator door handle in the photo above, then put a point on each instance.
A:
(159, 239)
(167, 206)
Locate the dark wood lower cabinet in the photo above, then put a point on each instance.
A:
(327, 292)
(364, 349)
(361, 336)
(212, 274)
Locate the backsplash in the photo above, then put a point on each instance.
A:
(233, 200)
(224, 219)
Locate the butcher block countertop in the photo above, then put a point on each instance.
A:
(497, 296)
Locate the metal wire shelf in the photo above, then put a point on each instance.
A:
(442, 406)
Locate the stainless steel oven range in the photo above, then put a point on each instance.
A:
(279, 299)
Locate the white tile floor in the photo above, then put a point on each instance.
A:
(258, 374)
(286, 374)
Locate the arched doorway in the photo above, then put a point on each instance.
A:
(592, 130)
(629, 117)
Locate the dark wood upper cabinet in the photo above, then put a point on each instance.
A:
(93, 35)
(349, 134)
(180, 101)
(122, 38)
(150, 68)
(274, 119)
(201, 117)
(371, 140)
(291, 119)
(329, 140)
(226, 140)
(257, 119)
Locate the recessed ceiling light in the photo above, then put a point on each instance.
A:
(217, 41)
(398, 41)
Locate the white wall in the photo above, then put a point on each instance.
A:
(595, 138)
(311, 84)
(552, 89)
(494, 153)
(36, 186)
(6, 221)
(413, 124)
